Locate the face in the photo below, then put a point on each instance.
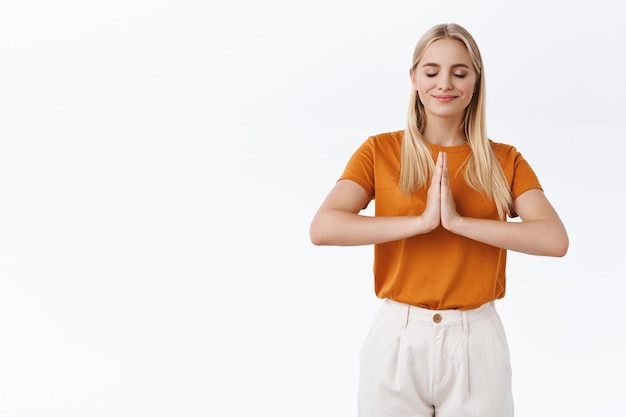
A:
(444, 78)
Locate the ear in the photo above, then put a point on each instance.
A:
(412, 76)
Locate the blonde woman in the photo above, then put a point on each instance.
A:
(443, 191)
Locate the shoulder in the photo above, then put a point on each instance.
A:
(515, 168)
(502, 149)
(507, 154)
(387, 138)
(386, 141)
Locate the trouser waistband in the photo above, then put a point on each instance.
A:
(441, 318)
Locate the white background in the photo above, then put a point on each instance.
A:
(160, 162)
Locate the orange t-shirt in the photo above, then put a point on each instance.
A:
(436, 270)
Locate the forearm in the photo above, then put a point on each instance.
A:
(340, 228)
(537, 237)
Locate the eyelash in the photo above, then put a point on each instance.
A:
(456, 75)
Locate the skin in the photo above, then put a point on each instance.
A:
(445, 81)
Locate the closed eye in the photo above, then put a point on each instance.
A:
(456, 75)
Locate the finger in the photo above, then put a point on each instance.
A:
(444, 171)
(436, 178)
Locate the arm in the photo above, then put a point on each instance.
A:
(337, 221)
(540, 232)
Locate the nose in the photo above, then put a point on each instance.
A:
(445, 82)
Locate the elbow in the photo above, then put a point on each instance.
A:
(559, 247)
(316, 235)
(316, 239)
(322, 230)
(559, 252)
(562, 250)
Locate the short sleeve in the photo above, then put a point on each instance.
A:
(360, 167)
(518, 172)
(524, 178)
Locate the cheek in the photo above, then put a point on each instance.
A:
(470, 86)
(465, 85)
(423, 83)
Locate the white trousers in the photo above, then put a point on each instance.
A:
(445, 363)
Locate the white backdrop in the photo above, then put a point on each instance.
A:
(160, 162)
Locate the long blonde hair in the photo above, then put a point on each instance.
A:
(482, 169)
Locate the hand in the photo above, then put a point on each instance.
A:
(448, 208)
(432, 212)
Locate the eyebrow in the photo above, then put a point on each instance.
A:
(432, 64)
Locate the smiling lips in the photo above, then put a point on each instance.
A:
(444, 99)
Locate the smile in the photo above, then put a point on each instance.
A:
(444, 99)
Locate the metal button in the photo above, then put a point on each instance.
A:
(437, 318)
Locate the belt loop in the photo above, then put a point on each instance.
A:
(465, 322)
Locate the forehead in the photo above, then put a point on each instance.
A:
(446, 52)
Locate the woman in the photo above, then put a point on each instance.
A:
(443, 192)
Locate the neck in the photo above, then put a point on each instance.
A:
(444, 139)
(446, 142)
(444, 134)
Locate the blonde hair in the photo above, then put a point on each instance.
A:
(482, 168)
